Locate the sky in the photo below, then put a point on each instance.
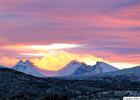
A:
(51, 33)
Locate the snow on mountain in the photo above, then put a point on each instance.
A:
(71, 67)
(19, 66)
(20, 63)
(82, 70)
(102, 67)
(99, 68)
(28, 63)
(28, 68)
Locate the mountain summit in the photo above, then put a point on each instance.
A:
(71, 67)
(102, 67)
(20, 63)
(28, 68)
(98, 68)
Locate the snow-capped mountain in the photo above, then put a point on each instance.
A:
(20, 63)
(28, 63)
(28, 68)
(67, 70)
(71, 67)
(83, 69)
(99, 68)
(102, 67)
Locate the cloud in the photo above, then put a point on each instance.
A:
(57, 46)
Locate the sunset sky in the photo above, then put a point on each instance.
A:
(53, 32)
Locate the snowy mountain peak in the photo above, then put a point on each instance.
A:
(100, 62)
(28, 63)
(28, 68)
(20, 63)
(81, 68)
(71, 67)
(98, 68)
(102, 67)
(74, 62)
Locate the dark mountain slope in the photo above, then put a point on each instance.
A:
(16, 85)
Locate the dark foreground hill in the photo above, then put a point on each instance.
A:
(15, 85)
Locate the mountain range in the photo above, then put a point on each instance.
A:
(25, 82)
(28, 68)
(77, 70)
(98, 68)
(15, 85)
(74, 68)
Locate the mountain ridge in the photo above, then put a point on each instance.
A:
(98, 68)
(28, 68)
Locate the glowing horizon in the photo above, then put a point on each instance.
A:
(58, 60)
